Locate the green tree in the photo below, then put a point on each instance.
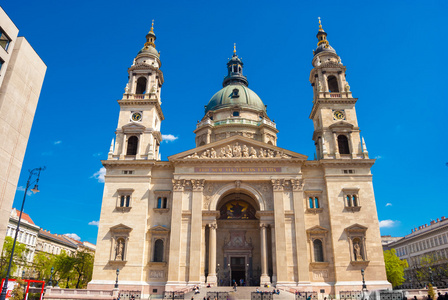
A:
(431, 292)
(42, 264)
(83, 267)
(19, 258)
(394, 267)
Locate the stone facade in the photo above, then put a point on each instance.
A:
(237, 207)
(21, 76)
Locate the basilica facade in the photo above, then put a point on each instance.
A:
(237, 207)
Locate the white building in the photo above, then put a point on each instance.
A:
(22, 73)
(27, 235)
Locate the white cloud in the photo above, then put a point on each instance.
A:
(97, 154)
(22, 189)
(388, 223)
(388, 204)
(99, 175)
(73, 236)
(94, 223)
(57, 142)
(169, 137)
(378, 157)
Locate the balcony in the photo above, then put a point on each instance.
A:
(236, 121)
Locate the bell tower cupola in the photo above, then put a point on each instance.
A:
(235, 71)
(336, 132)
(138, 132)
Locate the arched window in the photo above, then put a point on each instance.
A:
(355, 201)
(158, 251)
(132, 145)
(141, 85)
(343, 144)
(316, 202)
(311, 202)
(318, 251)
(349, 201)
(333, 84)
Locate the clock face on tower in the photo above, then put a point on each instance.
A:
(338, 115)
(136, 116)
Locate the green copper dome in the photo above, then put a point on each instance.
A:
(235, 90)
(235, 94)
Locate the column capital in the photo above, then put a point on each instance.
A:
(297, 184)
(178, 184)
(277, 184)
(264, 225)
(197, 184)
(213, 226)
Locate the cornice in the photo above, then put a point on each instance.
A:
(324, 101)
(339, 162)
(142, 102)
(239, 161)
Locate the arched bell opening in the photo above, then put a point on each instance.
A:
(238, 242)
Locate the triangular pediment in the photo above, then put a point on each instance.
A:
(317, 230)
(237, 148)
(356, 228)
(120, 228)
(133, 126)
(341, 124)
(159, 229)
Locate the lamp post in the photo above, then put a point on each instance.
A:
(364, 287)
(50, 283)
(23, 274)
(230, 274)
(33, 172)
(431, 277)
(217, 275)
(116, 281)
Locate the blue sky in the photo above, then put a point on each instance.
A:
(395, 57)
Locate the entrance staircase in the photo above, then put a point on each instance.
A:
(242, 292)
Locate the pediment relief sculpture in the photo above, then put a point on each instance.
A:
(238, 150)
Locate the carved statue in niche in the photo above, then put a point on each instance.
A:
(357, 250)
(261, 155)
(119, 250)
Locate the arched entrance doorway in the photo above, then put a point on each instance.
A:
(238, 254)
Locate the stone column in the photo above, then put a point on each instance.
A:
(301, 240)
(280, 235)
(350, 143)
(203, 251)
(212, 254)
(274, 264)
(195, 232)
(264, 254)
(336, 145)
(175, 234)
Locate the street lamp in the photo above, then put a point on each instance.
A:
(230, 274)
(217, 275)
(364, 287)
(50, 283)
(116, 281)
(33, 172)
(23, 274)
(431, 277)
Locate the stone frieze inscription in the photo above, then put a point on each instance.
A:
(238, 170)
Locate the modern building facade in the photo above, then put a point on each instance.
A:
(22, 73)
(237, 207)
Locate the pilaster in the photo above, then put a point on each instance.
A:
(195, 233)
(175, 236)
(280, 235)
(299, 222)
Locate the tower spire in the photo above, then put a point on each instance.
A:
(235, 70)
(320, 25)
(150, 37)
(234, 49)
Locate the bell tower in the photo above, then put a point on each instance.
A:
(138, 132)
(336, 132)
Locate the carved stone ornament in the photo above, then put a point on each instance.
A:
(238, 151)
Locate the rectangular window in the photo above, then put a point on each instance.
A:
(4, 40)
(1, 63)
(444, 238)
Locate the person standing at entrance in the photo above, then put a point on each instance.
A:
(235, 285)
